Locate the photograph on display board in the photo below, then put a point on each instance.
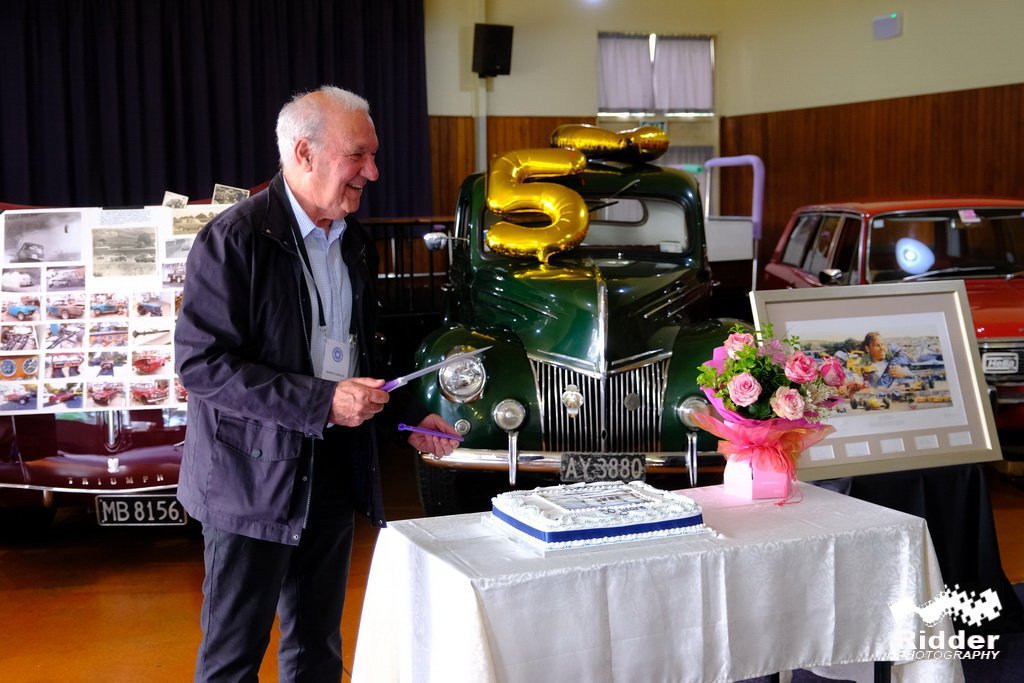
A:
(20, 308)
(63, 365)
(107, 303)
(226, 194)
(152, 332)
(152, 362)
(913, 394)
(65, 306)
(106, 365)
(178, 247)
(109, 333)
(19, 337)
(62, 278)
(186, 222)
(174, 274)
(153, 304)
(106, 395)
(124, 252)
(19, 367)
(42, 236)
(58, 336)
(149, 393)
(64, 396)
(180, 392)
(21, 279)
(19, 396)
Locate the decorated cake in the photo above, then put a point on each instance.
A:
(593, 513)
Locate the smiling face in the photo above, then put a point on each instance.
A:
(328, 178)
(876, 348)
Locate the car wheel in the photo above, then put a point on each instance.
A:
(64, 315)
(21, 316)
(25, 524)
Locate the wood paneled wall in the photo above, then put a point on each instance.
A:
(966, 143)
(453, 147)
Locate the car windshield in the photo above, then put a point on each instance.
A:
(955, 243)
(621, 226)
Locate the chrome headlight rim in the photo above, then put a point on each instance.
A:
(462, 381)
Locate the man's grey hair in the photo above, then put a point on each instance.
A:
(303, 117)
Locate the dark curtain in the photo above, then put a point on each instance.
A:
(112, 102)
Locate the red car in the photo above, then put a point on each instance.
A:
(149, 393)
(979, 241)
(147, 365)
(103, 394)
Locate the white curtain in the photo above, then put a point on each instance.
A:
(625, 80)
(683, 75)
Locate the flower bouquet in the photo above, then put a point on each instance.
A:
(771, 400)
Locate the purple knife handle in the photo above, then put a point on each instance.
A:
(431, 432)
(391, 384)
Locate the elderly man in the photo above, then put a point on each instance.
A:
(274, 344)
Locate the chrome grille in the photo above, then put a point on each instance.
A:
(621, 411)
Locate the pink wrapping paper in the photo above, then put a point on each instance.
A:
(771, 445)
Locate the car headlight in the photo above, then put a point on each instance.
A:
(689, 406)
(509, 414)
(463, 380)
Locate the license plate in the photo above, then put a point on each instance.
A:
(997, 363)
(578, 467)
(153, 510)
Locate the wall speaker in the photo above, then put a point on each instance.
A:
(492, 49)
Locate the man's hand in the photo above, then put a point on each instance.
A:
(436, 445)
(356, 400)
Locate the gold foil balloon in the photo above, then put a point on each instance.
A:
(636, 144)
(508, 193)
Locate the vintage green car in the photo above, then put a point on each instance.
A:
(595, 333)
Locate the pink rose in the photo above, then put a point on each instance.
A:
(787, 403)
(832, 372)
(744, 389)
(737, 341)
(801, 368)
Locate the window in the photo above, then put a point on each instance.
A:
(817, 259)
(652, 74)
(800, 239)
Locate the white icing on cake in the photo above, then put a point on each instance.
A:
(594, 513)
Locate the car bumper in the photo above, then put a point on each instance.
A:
(546, 462)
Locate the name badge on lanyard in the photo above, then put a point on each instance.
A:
(339, 357)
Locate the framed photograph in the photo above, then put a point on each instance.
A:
(914, 395)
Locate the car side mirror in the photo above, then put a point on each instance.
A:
(830, 276)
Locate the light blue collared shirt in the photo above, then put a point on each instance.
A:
(328, 270)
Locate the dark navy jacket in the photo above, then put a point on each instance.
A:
(257, 439)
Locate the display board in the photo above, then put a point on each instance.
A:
(88, 303)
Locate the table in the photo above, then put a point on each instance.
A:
(954, 500)
(775, 588)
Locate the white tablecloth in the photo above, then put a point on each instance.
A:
(451, 599)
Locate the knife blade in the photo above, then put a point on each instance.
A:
(393, 384)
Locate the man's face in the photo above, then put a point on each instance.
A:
(344, 166)
(877, 349)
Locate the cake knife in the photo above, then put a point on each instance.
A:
(393, 384)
